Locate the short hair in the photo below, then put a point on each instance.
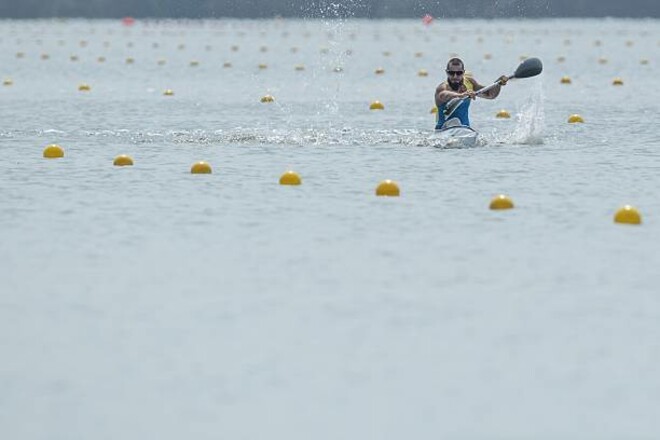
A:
(455, 62)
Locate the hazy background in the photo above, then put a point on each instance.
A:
(326, 8)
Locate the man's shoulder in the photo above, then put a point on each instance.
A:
(442, 86)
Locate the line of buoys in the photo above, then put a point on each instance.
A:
(290, 178)
(201, 168)
(376, 105)
(575, 119)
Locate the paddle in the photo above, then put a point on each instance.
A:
(527, 69)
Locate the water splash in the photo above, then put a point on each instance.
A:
(530, 123)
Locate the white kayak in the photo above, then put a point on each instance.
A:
(456, 136)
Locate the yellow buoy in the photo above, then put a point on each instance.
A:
(423, 72)
(379, 71)
(7, 82)
(290, 178)
(74, 58)
(419, 54)
(299, 67)
(561, 59)
(234, 48)
(565, 80)
(434, 110)
(20, 55)
(130, 60)
(388, 188)
(263, 49)
(101, 59)
(488, 56)
(161, 62)
(201, 168)
(262, 66)
(617, 81)
(168, 92)
(602, 60)
(122, 161)
(267, 98)
(53, 151)
(194, 63)
(387, 53)
(501, 202)
(628, 215)
(503, 114)
(84, 87)
(376, 105)
(45, 56)
(226, 65)
(573, 119)
(630, 43)
(643, 61)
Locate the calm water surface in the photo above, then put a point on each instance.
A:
(146, 302)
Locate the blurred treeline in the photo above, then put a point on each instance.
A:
(327, 8)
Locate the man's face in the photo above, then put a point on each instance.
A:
(455, 76)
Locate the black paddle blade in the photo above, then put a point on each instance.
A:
(528, 68)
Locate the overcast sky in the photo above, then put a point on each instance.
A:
(327, 8)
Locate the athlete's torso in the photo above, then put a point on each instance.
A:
(461, 112)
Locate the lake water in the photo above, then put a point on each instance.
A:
(147, 302)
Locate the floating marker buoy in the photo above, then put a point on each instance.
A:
(7, 82)
(234, 48)
(487, 56)
(130, 60)
(293, 50)
(617, 81)
(168, 92)
(83, 43)
(598, 43)
(201, 168)
(263, 66)
(53, 151)
(434, 110)
(628, 215)
(630, 43)
(45, 56)
(123, 160)
(376, 105)
(101, 59)
(422, 72)
(523, 57)
(602, 60)
(503, 114)
(501, 202)
(299, 67)
(20, 55)
(324, 50)
(573, 119)
(565, 80)
(84, 87)
(338, 69)
(290, 178)
(643, 61)
(263, 49)
(194, 63)
(561, 59)
(73, 58)
(379, 71)
(161, 62)
(181, 46)
(419, 54)
(387, 53)
(388, 188)
(267, 98)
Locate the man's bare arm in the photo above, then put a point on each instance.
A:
(444, 95)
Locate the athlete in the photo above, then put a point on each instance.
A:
(460, 86)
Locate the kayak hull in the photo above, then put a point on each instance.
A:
(455, 136)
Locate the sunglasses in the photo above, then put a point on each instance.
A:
(454, 72)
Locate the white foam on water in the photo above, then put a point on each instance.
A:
(530, 121)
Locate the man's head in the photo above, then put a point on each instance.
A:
(455, 71)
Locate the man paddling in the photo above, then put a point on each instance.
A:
(460, 86)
